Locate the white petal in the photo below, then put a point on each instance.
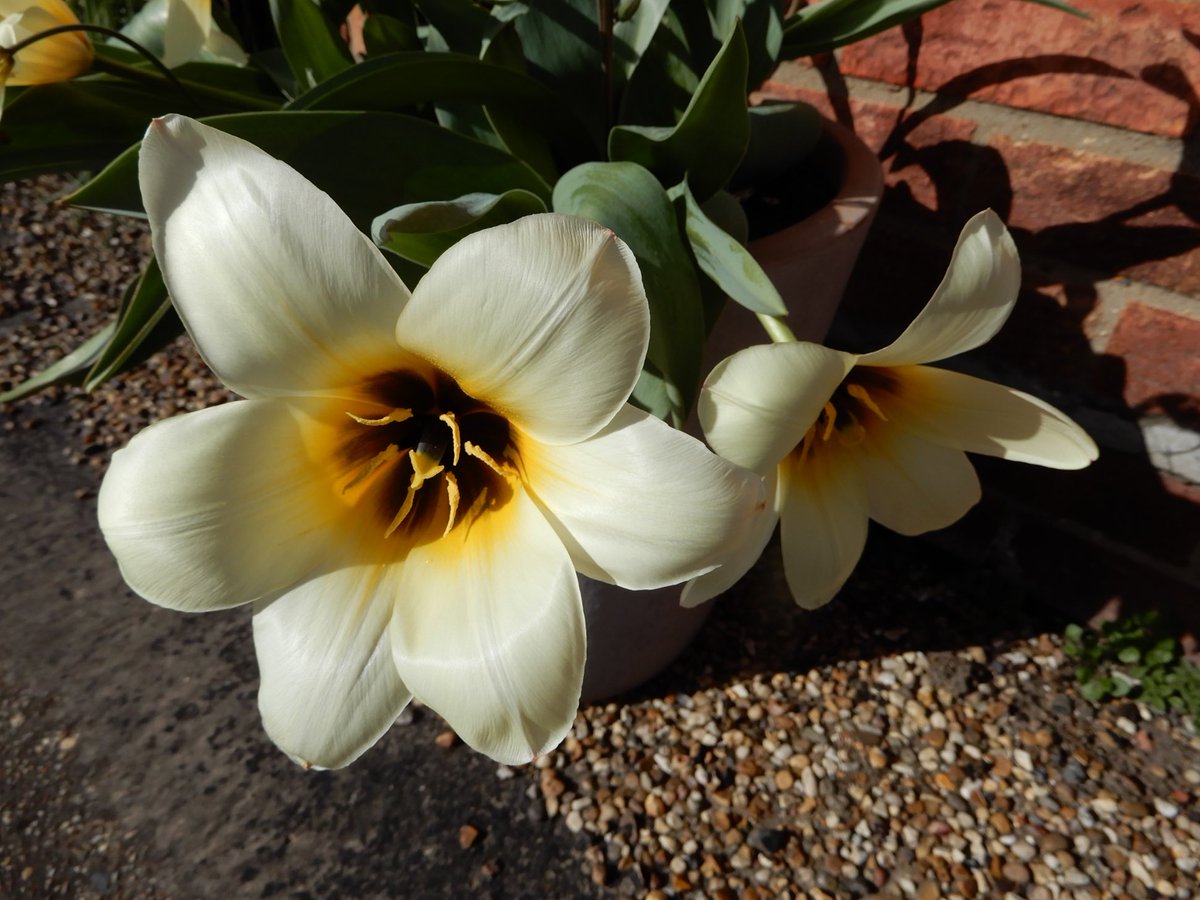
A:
(741, 556)
(545, 318)
(983, 417)
(972, 302)
(279, 290)
(329, 688)
(488, 631)
(218, 507)
(757, 404)
(188, 25)
(822, 525)
(641, 504)
(914, 486)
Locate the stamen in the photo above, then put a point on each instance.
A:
(859, 393)
(396, 415)
(830, 418)
(387, 455)
(806, 444)
(424, 466)
(502, 469)
(405, 507)
(452, 424)
(452, 496)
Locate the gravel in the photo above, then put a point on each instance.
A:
(922, 736)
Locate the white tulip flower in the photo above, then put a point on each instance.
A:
(413, 480)
(842, 438)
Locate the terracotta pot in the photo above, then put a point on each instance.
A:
(634, 635)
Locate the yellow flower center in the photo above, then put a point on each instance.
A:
(427, 458)
(848, 416)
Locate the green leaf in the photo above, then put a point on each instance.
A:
(729, 264)
(710, 139)
(314, 48)
(1095, 690)
(629, 200)
(825, 26)
(142, 310)
(421, 232)
(387, 34)
(655, 394)
(1162, 653)
(1129, 655)
(666, 77)
(68, 370)
(364, 160)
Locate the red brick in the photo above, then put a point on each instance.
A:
(1161, 351)
(1130, 65)
(1105, 215)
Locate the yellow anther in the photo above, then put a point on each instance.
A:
(504, 470)
(830, 419)
(389, 454)
(859, 393)
(396, 415)
(852, 435)
(452, 424)
(452, 496)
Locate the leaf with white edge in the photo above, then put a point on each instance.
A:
(421, 232)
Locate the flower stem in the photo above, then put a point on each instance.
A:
(776, 328)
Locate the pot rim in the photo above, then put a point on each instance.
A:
(852, 206)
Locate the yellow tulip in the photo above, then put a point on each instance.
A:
(57, 58)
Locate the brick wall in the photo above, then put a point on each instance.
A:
(1083, 136)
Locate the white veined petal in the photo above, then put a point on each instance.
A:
(983, 417)
(329, 688)
(640, 504)
(279, 290)
(218, 507)
(970, 305)
(188, 25)
(914, 486)
(757, 404)
(822, 525)
(545, 319)
(488, 631)
(741, 556)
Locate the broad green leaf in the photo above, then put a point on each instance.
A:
(68, 370)
(142, 310)
(314, 49)
(728, 263)
(632, 36)
(364, 160)
(710, 139)
(764, 33)
(387, 34)
(666, 77)
(421, 232)
(459, 25)
(655, 394)
(825, 26)
(629, 200)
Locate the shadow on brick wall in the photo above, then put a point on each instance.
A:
(1117, 536)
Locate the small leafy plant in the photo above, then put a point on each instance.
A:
(1135, 656)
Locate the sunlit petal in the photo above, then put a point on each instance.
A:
(740, 558)
(329, 688)
(282, 294)
(218, 507)
(972, 302)
(757, 404)
(914, 486)
(488, 631)
(983, 417)
(545, 318)
(57, 58)
(188, 25)
(642, 505)
(822, 525)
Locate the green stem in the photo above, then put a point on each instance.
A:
(776, 328)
